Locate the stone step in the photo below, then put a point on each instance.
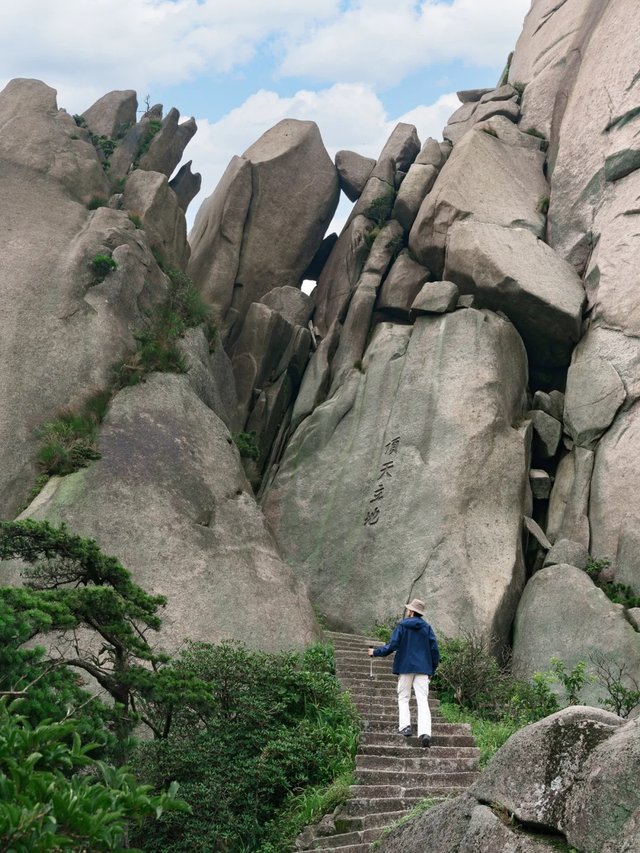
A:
(427, 780)
(405, 750)
(425, 763)
(349, 848)
(337, 638)
(398, 792)
(440, 736)
(348, 823)
(367, 803)
(352, 671)
(387, 701)
(389, 726)
(333, 842)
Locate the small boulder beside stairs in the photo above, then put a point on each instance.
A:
(393, 773)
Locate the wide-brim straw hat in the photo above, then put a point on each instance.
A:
(417, 606)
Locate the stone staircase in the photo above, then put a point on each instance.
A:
(394, 773)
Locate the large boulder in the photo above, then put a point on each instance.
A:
(563, 614)
(509, 270)
(486, 180)
(353, 171)
(113, 114)
(61, 331)
(269, 213)
(614, 506)
(149, 196)
(595, 392)
(42, 140)
(426, 509)
(168, 498)
(538, 790)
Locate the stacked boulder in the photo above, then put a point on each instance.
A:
(168, 495)
(252, 242)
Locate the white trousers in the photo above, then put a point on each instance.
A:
(421, 689)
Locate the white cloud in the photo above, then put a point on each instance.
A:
(381, 42)
(349, 116)
(86, 48)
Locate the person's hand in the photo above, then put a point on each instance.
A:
(370, 651)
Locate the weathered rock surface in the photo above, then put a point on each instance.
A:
(112, 114)
(340, 274)
(40, 139)
(168, 144)
(186, 185)
(594, 394)
(268, 215)
(486, 180)
(547, 432)
(402, 284)
(566, 551)
(169, 499)
(391, 528)
(509, 270)
(614, 506)
(149, 196)
(540, 482)
(435, 297)
(353, 172)
(540, 785)
(418, 182)
(61, 332)
(562, 613)
(294, 305)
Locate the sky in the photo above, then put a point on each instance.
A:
(355, 67)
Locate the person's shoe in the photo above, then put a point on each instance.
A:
(425, 740)
(406, 731)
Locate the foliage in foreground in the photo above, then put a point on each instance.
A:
(55, 796)
(272, 727)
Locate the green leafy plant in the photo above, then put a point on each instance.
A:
(622, 688)
(379, 210)
(370, 235)
(272, 727)
(543, 205)
(80, 120)
(246, 444)
(136, 220)
(157, 345)
(573, 681)
(101, 265)
(96, 201)
(619, 593)
(55, 796)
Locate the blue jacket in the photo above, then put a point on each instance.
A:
(415, 646)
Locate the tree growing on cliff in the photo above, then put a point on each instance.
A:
(97, 620)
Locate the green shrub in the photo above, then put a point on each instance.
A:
(273, 726)
(543, 205)
(370, 235)
(68, 444)
(490, 735)
(380, 208)
(80, 120)
(395, 246)
(157, 345)
(55, 796)
(136, 220)
(96, 201)
(101, 265)
(622, 688)
(246, 444)
(617, 592)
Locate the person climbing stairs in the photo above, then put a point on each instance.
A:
(394, 773)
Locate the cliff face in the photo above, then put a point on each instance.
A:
(451, 414)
